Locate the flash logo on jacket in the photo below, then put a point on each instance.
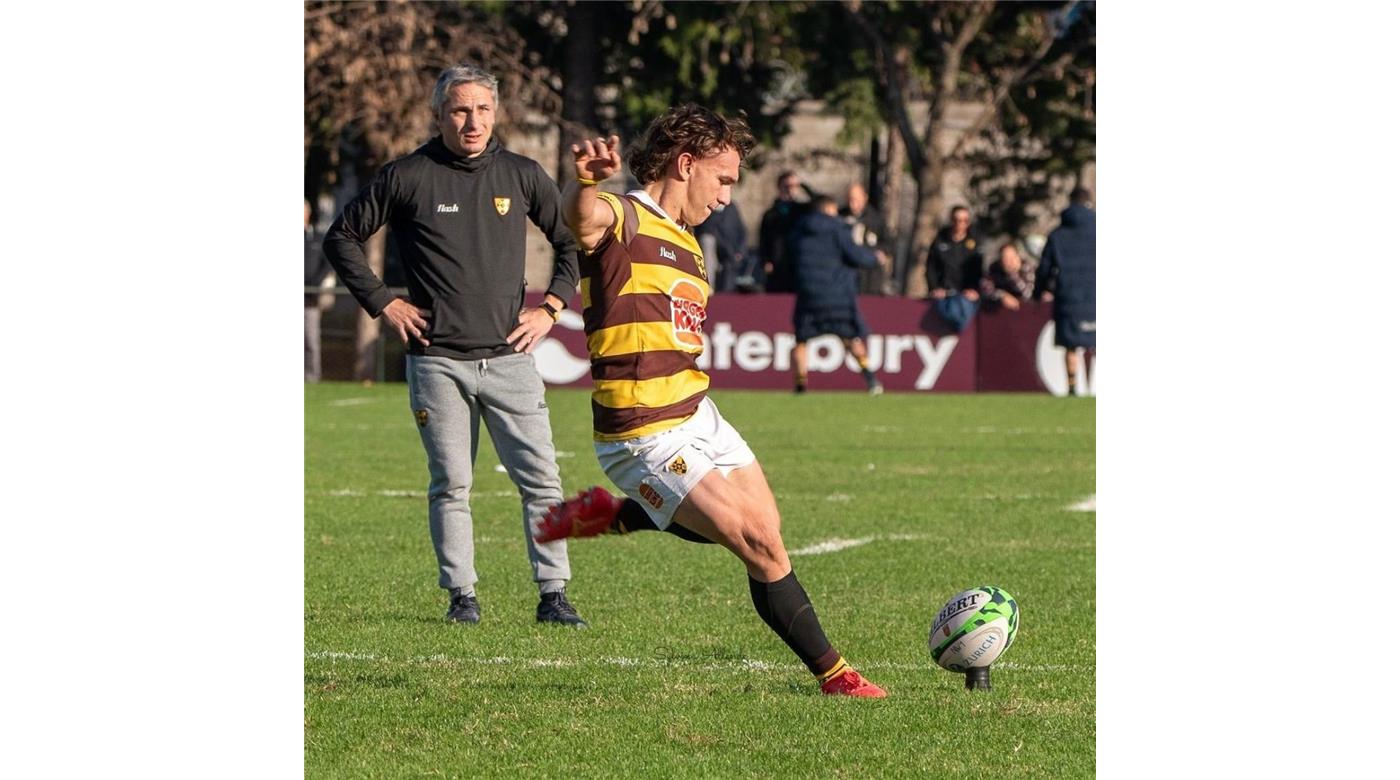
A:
(443, 208)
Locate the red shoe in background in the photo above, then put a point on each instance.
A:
(587, 514)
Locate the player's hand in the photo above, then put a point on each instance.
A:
(596, 159)
(882, 258)
(939, 294)
(1011, 302)
(1047, 297)
(407, 320)
(534, 324)
(971, 295)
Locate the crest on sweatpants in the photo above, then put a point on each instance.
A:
(421, 415)
(502, 206)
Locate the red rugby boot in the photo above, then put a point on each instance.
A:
(587, 514)
(850, 683)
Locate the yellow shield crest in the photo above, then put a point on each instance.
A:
(700, 264)
(502, 206)
(678, 465)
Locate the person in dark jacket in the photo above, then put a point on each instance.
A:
(773, 231)
(724, 241)
(868, 230)
(824, 262)
(1066, 276)
(457, 208)
(955, 258)
(1009, 281)
(954, 270)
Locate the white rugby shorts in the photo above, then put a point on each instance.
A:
(658, 471)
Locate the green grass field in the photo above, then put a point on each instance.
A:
(677, 676)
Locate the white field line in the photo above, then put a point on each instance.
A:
(835, 545)
(352, 401)
(830, 546)
(740, 666)
(352, 493)
(1087, 505)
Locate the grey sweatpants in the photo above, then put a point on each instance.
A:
(449, 398)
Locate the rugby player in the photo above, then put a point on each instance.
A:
(657, 436)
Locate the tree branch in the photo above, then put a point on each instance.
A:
(1003, 89)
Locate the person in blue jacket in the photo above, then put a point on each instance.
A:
(1066, 277)
(825, 260)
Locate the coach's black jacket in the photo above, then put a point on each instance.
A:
(459, 224)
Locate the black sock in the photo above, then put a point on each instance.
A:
(632, 517)
(784, 606)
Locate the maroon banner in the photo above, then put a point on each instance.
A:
(748, 344)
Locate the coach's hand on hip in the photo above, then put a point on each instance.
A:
(407, 320)
(534, 325)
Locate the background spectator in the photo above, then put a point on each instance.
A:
(954, 269)
(868, 230)
(1066, 276)
(1009, 281)
(824, 260)
(773, 231)
(725, 244)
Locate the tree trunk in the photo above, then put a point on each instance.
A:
(367, 327)
(892, 202)
(579, 118)
(928, 200)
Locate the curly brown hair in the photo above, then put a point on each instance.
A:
(688, 128)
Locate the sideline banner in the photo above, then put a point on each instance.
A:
(748, 344)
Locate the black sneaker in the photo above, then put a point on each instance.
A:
(555, 608)
(464, 609)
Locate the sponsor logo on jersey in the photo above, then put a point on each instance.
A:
(421, 415)
(667, 254)
(443, 208)
(649, 493)
(687, 314)
(678, 465)
(502, 206)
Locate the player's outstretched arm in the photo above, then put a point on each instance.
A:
(588, 217)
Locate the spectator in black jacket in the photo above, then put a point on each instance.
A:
(724, 241)
(457, 208)
(868, 230)
(955, 258)
(824, 261)
(1009, 281)
(773, 231)
(1066, 276)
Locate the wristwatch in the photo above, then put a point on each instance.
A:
(550, 310)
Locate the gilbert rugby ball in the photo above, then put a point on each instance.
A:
(973, 629)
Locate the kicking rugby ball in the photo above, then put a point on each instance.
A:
(973, 629)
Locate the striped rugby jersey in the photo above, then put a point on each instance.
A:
(644, 290)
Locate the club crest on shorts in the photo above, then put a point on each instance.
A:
(677, 466)
(649, 493)
(421, 415)
(502, 206)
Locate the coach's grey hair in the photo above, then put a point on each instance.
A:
(462, 74)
